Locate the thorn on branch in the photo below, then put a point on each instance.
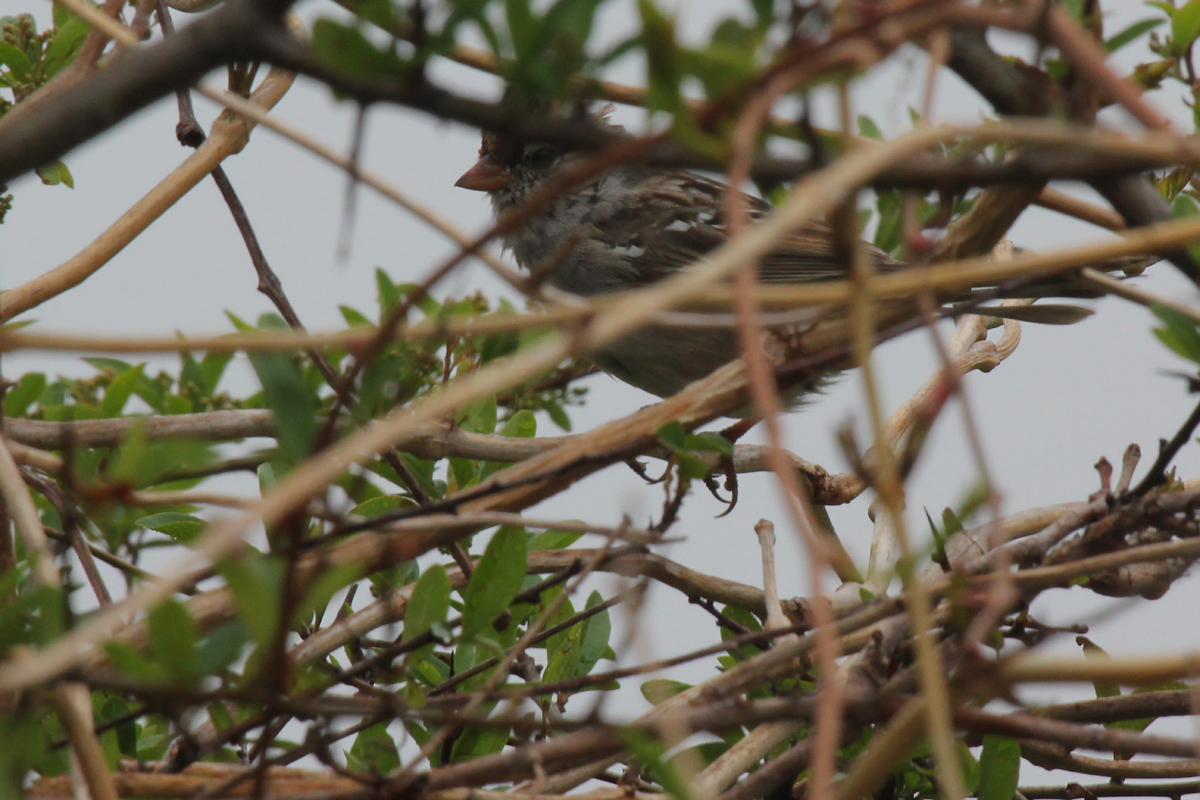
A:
(1129, 462)
(640, 470)
(1105, 471)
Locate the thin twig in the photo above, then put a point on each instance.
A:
(1157, 475)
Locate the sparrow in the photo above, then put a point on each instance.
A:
(635, 225)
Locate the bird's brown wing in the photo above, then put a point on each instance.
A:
(682, 230)
(669, 231)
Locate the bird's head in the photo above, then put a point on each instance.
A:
(508, 170)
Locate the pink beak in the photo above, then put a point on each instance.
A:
(485, 176)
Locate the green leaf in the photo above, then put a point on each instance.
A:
(361, 491)
(183, 528)
(951, 524)
(426, 607)
(373, 752)
(496, 581)
(355, 319)
(218, 712)
(127, 462)
(890, 228)
(1093, 650)
(102, 364)
(659, 690)
(62, 15)
(191, 379)
(558, 415)
(999, 768)
(384, 504)
(522, 27)
(23, 394)
(651, 753)
(662, 58)
(1180, 333)
(64, 46)
(464, 471)
(142, 464)
(428, 305)
(736, 38)
(1185, 27)
(673, 435)
(346, 49)
(173, 638)
(154, 736)
(17, 62)
(552, 540)
(294, 406)
(709, 443)
(423, 469)
(690, 466)
(476, 742)
(120, 390)
(868, 129)
(969, 765)
(575, 651)
(395, 577)
(572, 19)
(565, 611)
(110, 707)
(317, 596)
(480, 418)
(72, 412)
(388, 293)
(54, 173)
(1075, 7)
(54, 394)
(498, 345)
(269, 474)
(764, 10)
(1183, 207)
(257, 586)
(468, 655)
(1131, 33)
(521, 425)
(152, 395)
(593, 641)
(220, 648)
(128, 661)
(748, 621)
(212, 367)
(1139, 725)
(726, 63)
(239, 324)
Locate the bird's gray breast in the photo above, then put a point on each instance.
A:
(566, 240)
(589, 247)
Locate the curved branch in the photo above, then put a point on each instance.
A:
(254, 29)
(1074, 735)
(1012, 90)
(1049, 756)
(133, 81)
(1074, 791)
(230, 133)
(1176, 703)
(432, 442)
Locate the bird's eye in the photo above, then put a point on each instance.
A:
(540, 156)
